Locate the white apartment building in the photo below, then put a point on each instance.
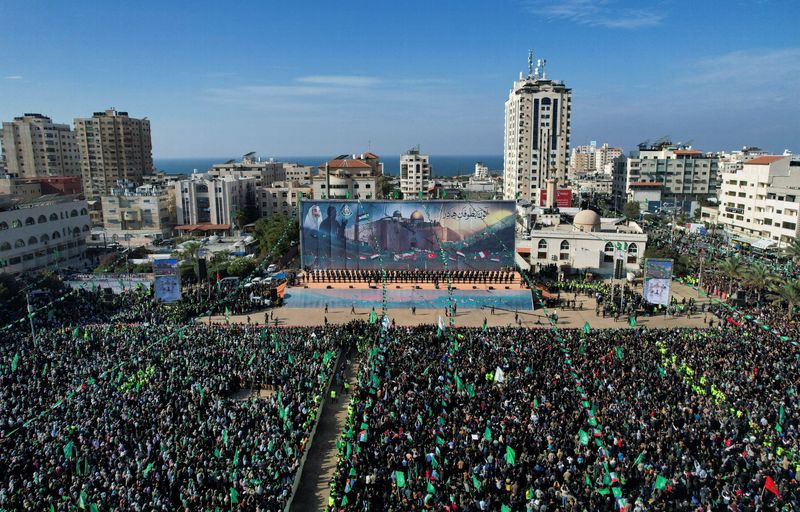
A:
(415, 174)
(283, 197)
(265, 172)
(536, 134)
(685, 175)
(35, 146)
(43, 234)
(140, 211)
(604, 158)
(762, 200)
(347, 178)
(210, 200)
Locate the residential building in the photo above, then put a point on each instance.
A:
(596, 183)
(50, 233)
(113, 147)
(283, 197)
(301, 173)
(35, 146)
(349, 178)
(686, 176)
(582, 160)
(589, 243)
(415, 173)
(20, 190)
(762, 200)
(734, 161)
(604, 157)
(536, 135)
(265, 173)
(203, 199)
(140, 211)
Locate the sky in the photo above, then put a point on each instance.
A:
(219, 78)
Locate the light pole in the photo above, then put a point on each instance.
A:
(30, 316)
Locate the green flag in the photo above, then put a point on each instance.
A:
(227, 313)
(15, 362)
(511, 455)
(82, 500)
(236, 458)
(781, 415)
(471, 390)
(476, 483)
(639, 459)
(344, 501)
(291, 359)
(401, 479)
(586, 328)
(148, 469)
(604, 491)
(200, 390)
(419, 194)
(93, 508)
(68, 450)
(619, 353)
(487, 434)
(632, 321)
(460, 384)
(584, 437)
(505, 508)
(661, 482)
(617, 492)
(588, 480)
(225, 436)
(431, 489)
(234, 496)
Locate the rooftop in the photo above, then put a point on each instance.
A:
(765, 160)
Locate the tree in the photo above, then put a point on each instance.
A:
(631, 210)
(759, 277)
(788, 292)
(793, 250)
(733, 268)
(275, 233)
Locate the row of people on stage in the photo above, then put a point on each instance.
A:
(411, 276)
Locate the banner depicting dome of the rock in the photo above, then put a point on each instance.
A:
(407, 234)
(657, 280)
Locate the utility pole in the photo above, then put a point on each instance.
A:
(30, 317)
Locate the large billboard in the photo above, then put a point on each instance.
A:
(407, 234)
(563, 197)
(657, 281)
(167, 280)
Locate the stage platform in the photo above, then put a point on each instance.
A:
(405, 296)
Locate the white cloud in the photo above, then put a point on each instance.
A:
(14, 77)
(596, 13)
(340, 80)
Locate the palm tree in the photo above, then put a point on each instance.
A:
(733, 268)
(793, 250)
(788, 292)
(759, 277)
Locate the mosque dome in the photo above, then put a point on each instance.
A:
(417, 215)
(587, 220)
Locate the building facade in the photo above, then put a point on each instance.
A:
(35, 146)
(348, 178)
(762, 200)
(21, 190)
(283, 198)
(686, 176)
(113, 147)
(206, 199)
(45, 234)
(536, 135)
(139, 211)
(415, 174)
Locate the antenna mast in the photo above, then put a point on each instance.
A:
(530, 63)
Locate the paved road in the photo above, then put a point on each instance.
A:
(313, 492)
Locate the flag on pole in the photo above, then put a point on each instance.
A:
(227, 314)
(770, 485)
(586, 328)
(234, 496)
(583, 436)
(400, 476)
(15, 362)
(661, 482)
(511, 455)
(487, 434)
(632, 321)
(476, 483)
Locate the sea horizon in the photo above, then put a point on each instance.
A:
(443, 165)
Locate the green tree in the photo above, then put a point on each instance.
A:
(631, 210)
(789, 293)
(733, 268)
(241, 267)
(759, 277)
(793, 250)
(270, 230)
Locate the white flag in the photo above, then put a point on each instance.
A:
(499, 375)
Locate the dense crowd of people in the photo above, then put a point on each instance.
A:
(158, 417)
(628, 419)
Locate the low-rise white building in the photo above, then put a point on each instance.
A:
(347, 178)
(283, 197)
(588, 244)
(205, 199)
(762, 200)
(43, 234)
(138, 211)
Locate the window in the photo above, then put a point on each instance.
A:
(541, 254)
(45, 238)
(41, 219)
(84, 211)
(633, 253)
(56, 235)
(73, 213)
(564, 253)
(29, 221)
(32, 241)
(19, 243)
(53, 216)
(608, 253)
(5, 246)
(3, 226)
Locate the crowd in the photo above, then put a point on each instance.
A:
(159, 417)
(513, 419)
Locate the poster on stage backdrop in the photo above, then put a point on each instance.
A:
(657, 281)
(407, 234)
(167, 281)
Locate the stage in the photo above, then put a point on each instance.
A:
(405, 295)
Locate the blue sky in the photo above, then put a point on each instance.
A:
(320, 78)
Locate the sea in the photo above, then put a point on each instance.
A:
(445, 165)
